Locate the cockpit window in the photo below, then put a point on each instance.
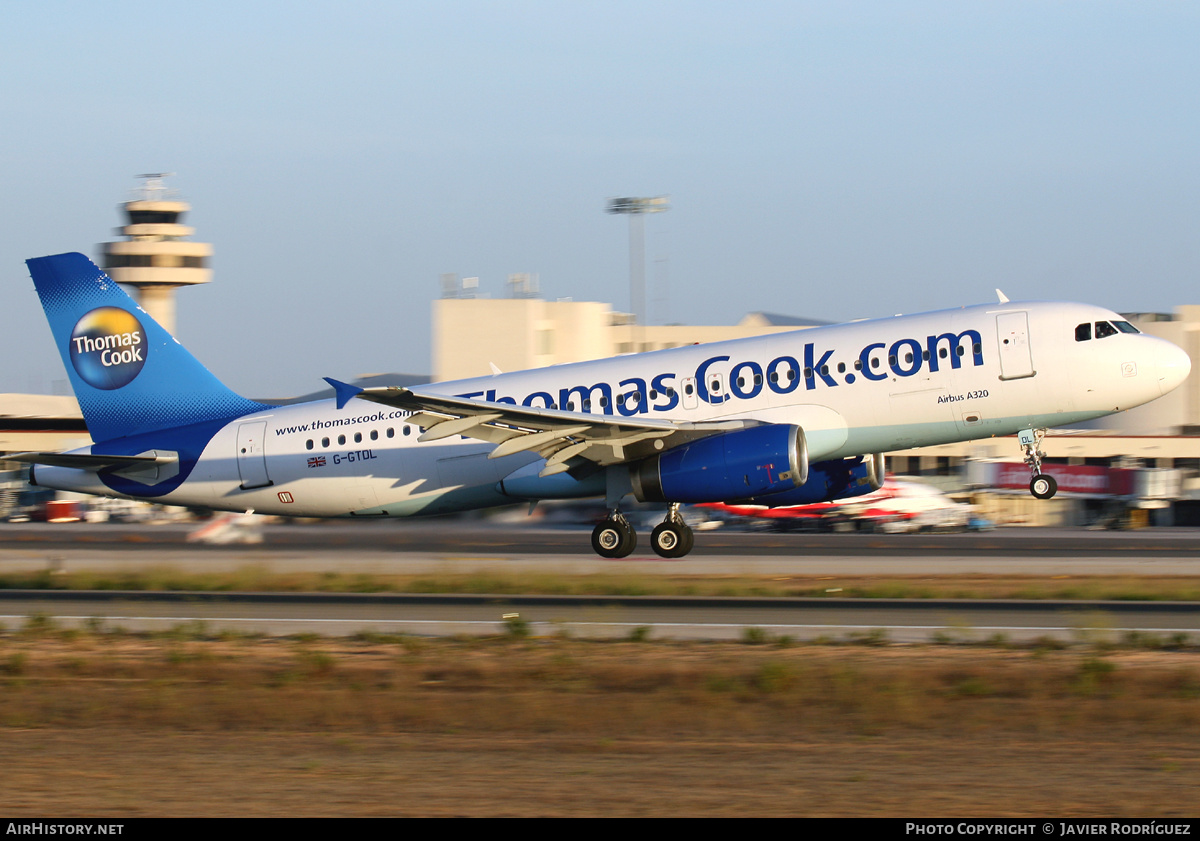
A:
(1083, 332)
(1104, 330)
(1126, 327)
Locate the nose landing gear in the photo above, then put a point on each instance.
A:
(1041, 485)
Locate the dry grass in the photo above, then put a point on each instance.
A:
(187, 723)
(257, 579)
(185, 679)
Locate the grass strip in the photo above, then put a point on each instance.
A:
(981, 586)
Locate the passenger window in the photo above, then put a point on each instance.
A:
(391, 433)
(1104, 330)
(358, 438)
(324, 442)
(308, 445)
(374, 434)
(407, 430)
(341, 440)
(1083, 332)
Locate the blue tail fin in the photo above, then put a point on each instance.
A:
(129, 374)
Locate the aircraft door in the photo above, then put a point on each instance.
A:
(687, 386)
(1012, 335)
(252, 455)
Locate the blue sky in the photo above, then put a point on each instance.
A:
(833, 160)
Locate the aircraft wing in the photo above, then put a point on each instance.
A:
(564, 439)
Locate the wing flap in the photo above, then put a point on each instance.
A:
(534, 440)
(447, 427)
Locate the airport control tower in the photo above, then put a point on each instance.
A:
(155, 257)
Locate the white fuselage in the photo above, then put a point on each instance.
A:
(857, 388)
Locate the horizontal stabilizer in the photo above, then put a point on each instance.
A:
(92, 461)
(343, 392)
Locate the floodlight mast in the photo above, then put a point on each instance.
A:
(635, 208)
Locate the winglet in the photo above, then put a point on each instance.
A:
(344, 392)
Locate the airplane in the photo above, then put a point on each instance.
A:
(900, 505)
(777, 420)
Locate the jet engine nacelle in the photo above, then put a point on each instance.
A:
(830, 480)
(731, 465)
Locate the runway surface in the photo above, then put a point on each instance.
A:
(863, 620)
(421, 547)
(463, 547)
(440, 534)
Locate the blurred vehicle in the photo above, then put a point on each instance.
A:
(229, 528)
(900, 506)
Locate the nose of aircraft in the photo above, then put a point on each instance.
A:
(1173, 366)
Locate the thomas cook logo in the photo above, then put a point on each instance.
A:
(108, 348)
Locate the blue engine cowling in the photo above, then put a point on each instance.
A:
(830, 480)
(766, 459)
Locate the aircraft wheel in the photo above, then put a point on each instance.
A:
(1043, 486)
(667, 540)
(614, 539)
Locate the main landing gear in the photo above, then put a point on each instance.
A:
(1042, 485)
(615, 538)
(672, 538)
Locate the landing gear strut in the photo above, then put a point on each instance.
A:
(1041, 485)
(672, 538)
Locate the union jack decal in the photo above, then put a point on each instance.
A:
(318, 461)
